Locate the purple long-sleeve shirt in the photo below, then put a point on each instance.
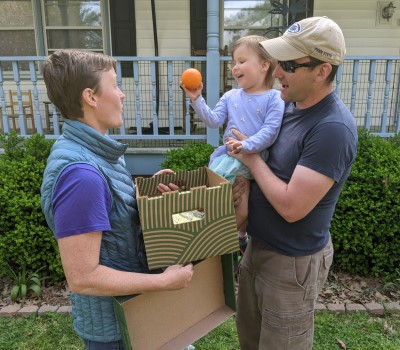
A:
(258, 116)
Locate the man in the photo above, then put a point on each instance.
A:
(89, 199)
(295, 191)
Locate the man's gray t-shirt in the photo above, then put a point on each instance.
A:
(323, 138)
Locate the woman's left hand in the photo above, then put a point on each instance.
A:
(166, 188)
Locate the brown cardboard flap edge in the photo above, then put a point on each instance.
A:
(200, 329)
(174, 319)
(205, 176)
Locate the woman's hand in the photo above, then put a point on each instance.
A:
(166, 188)
(178, 276)
(164, 171)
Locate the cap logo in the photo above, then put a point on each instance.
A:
(294, 28)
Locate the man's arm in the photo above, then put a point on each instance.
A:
(85, 275)
(293, 200)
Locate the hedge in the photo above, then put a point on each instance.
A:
(25, 238)
(365, 228)
(366, 224)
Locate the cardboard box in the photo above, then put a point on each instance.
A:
(172, 320)
(194, 223)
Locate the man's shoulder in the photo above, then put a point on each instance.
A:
(340, 113)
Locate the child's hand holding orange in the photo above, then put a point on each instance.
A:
(191, 83)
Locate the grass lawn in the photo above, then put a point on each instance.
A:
(359, 331)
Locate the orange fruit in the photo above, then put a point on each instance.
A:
(191, 78)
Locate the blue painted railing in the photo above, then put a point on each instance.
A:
(369, 86)
(156, 112)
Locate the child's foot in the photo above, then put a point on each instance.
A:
(243, 240)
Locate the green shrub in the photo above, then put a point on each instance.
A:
(189, 157)
(366, 224)
(25, 239)
(365, 228)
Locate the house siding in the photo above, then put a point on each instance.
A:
(359, 20)
(364, 30)
(173, 27)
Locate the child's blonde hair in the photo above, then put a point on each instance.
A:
(253, 42)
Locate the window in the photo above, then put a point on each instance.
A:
(58, 24)
(17, 32)
(247, 17)
(259, 17)
(73, 24)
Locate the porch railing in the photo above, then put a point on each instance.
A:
(156, 111)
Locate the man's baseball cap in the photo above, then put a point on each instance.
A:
(318, 37)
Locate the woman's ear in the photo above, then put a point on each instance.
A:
(89, 98)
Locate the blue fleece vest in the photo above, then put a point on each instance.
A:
(122, 247)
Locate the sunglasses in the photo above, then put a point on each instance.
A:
(290, 66)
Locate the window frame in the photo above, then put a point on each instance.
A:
(224, 28)
(40, 30)
(45, 28)
(279, 21)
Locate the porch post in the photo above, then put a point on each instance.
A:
(213, 64)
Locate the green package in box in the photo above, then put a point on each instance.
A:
(194, 223)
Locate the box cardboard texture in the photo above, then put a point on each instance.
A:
(213, 233)
(172, 320)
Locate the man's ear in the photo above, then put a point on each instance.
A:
(89, 98)
(324, 70)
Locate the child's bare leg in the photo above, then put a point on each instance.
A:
(242, 209)
(242, 230)
(241, 212)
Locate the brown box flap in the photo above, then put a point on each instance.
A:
(172, 320)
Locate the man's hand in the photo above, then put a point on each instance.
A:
(246, 158)
(234, 146)
(238, 135)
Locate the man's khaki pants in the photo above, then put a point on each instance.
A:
(276, 298)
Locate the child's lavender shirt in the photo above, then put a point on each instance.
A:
(258, 116)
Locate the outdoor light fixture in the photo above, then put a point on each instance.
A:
(388, 11)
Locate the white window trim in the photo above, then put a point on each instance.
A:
(44, 28)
